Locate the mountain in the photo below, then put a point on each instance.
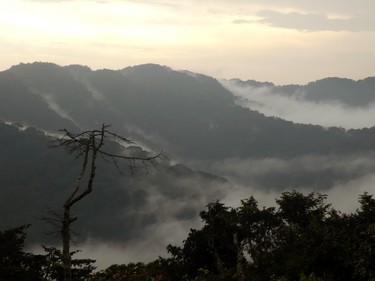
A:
(333, 89)
(224, 151)
(20, 104)
(191, 116)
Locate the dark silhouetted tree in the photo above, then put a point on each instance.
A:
(88, 145)
(15, 264)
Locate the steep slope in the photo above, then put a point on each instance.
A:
(19, 104)
(192, 116)
(70, 99)
(196, 120)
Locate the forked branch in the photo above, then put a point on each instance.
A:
(89, 144)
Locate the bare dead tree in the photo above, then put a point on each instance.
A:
(88, 145)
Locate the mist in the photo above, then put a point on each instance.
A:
(295, 108)
(146, 213)
(161, 210)
(152, 240)
(149, 246)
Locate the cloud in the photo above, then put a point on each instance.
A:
(333, 6)
(163, 3)
(295, 108)
(52, 1)
(315, 21)
(138, 217)
(346, 177)
(141, 215)
(313, 172)
(344, 196)
(149, 241)
(149, 246)
(312, 21)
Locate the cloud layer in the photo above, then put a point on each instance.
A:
(316, 21)
(295, 108)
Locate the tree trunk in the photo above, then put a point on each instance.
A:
(239, 268)
(66, 257)
(87, 144)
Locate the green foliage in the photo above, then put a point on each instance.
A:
(53, 268)
(17, 265)
(296, 208)
(14, 263)
(365, 238)
(211, 248)
(154, 271)
(310, 277)
(303, 239)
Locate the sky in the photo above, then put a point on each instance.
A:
(285, 42)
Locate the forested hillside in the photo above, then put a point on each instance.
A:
(35, 179)
(191, 116)
(167, 108)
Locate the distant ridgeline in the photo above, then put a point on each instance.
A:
(347, 91)
(190, 115)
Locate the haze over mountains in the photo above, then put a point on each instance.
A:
(226, 148)
(328, 102)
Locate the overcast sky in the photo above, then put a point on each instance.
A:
(291, 41)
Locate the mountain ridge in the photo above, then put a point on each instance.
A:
(218, 149)
(193, 117)
(162, 108)
(350, 92)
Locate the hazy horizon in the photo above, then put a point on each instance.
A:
(289, 42)
(220, 79)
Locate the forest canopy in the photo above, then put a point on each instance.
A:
(302, 238)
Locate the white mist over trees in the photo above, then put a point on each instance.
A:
(329, 102)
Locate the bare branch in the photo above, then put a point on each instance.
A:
(89, 144)
(54, 218)
(70, 200)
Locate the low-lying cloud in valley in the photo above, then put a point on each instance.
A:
(144, 213)
(295, 108)
(318, 172)
(175, 215)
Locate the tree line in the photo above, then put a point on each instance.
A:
(302, 238)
